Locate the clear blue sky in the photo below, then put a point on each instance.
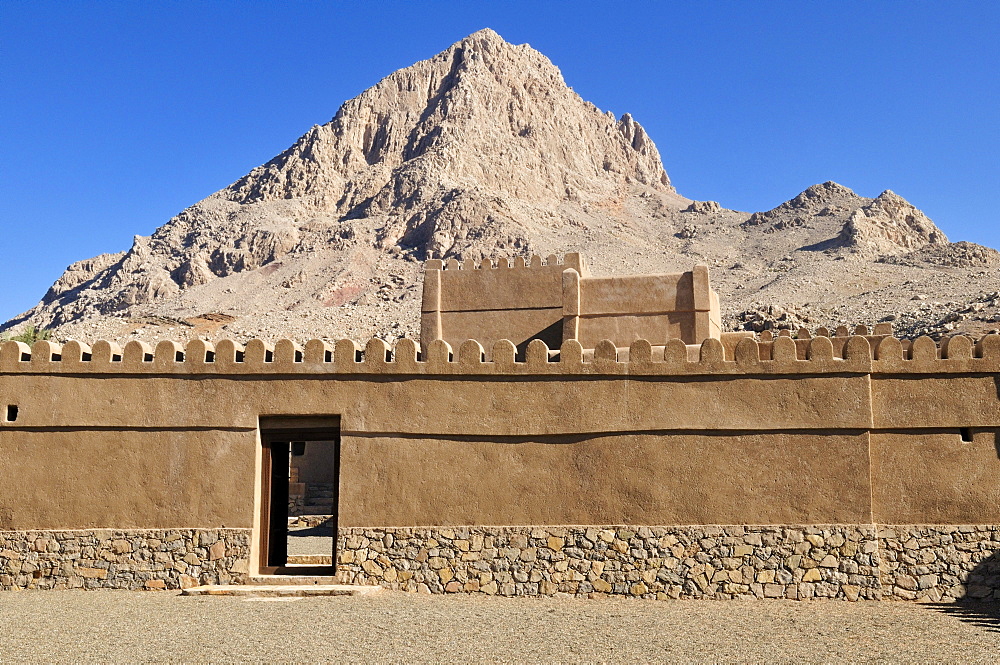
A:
(116, 116)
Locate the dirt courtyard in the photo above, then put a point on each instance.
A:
(121, 626)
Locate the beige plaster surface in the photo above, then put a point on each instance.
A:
(637, 294)
(935, 477)
(527, 288)
(490, 326)
(623, 329)
(620, 479)
(447, 405)
(146, 479)
(937, 401)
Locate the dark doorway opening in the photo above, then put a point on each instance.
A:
(300, 489)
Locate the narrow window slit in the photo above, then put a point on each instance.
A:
(269, 356)
(11, 413)
(298, 356)
(359, 356)
(328, 357)
(388, 356)
(966, 434)
(179, 356)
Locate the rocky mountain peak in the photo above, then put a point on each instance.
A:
(823, 199)
(821, 193)
(481, 94)
(890, 225)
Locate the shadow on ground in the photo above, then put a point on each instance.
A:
(976, 606)
(979, 613)
(312, 532)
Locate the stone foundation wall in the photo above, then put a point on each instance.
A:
(940, 562)
(859, 562)
(853, 562)
(123, 559)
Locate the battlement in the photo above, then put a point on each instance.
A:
(745, 356)
(570, 260)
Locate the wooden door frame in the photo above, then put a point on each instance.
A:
(282, 432)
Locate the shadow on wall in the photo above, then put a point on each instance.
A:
(981, 603)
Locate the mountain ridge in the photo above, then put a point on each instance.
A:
(479, 151)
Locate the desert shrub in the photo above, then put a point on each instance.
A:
(29, 335)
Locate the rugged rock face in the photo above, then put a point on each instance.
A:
(483, 151)
(890, 225)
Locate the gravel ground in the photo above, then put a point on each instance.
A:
(120, 626)
(317, 540)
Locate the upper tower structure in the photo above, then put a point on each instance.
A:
(524, 299)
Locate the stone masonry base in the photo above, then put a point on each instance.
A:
(123, 559)
(853, 562)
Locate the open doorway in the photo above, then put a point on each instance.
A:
(299, 495)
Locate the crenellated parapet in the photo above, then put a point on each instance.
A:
(534, 262)
(862, 354)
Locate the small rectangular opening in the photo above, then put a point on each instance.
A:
(966, 434)
(11, 413)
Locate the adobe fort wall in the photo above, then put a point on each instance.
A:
(781, 435)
